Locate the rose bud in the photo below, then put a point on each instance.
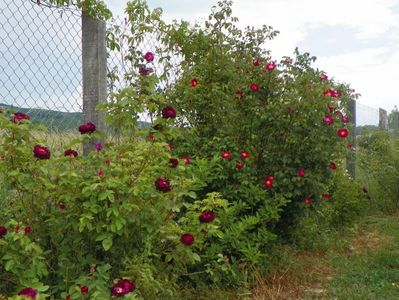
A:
(333, 166)
(300, 172)
(226, 155)
(89, 127)
(240, 165)
(308, 202)
(244, 155)
(3, 231)
(342, 133)
(149, 56)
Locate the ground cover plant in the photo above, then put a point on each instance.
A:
(241, 150)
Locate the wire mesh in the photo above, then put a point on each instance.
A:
(40, 62)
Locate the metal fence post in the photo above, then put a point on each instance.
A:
(383, 119)
(351, 157)
(94, 60)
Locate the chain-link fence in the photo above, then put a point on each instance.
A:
(40, 62)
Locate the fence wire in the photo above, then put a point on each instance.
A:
(40, 62)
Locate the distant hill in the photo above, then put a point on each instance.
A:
(55, 120)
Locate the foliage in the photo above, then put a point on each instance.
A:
(379, 168)
(94, 8)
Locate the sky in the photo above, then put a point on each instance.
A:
(355, 41)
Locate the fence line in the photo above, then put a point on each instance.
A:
(41, 65)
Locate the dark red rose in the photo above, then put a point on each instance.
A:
(244, 155)
(269, 182)
(61, 205)
(330, 107)
(254, 87)
(194, 82)
(84, 289)
(170, 146)
(270, 66)
(27, 230)
(342, 132)
(186, 159)
(173, 162)
(333, 166)
(71, 153)
(144, 71)
(17, 228)
(3, 231)
(18, 117)
(300, 172)
(28, 293)
(89, 127)
(187, 239)
(327, 119)
(68, 297)
(122, 287)
(332, 93)
(326, 196)
(149, 56)
(168, 112)
(41, 152)
(345, 119)
(207, 216)
(226, 155)
(240, 165)
(163, 185)
(100, 173)
(151, 137)
(108, 162)
(256, 62)
(308, 202)
(324, 77)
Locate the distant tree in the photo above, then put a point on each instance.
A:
(393, 120)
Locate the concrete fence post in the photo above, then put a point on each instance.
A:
(94, 69)
(383, 119)
(351, 157)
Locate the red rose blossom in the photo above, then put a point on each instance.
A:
(61, 205)
(98, 147)
(89, 127)
(244, 155)
(168, 112)
(186, 159)
(122, 287)
(18, 117)
(207, 216)
(149, 56)
(256, 62)
(3, 231)
(342, 132)
(327, 119)
(194, 82)
(326, 196)
(28, 293)
(84, 289)
(100, 173)
(173, 162)
(163, 185)
(71, 153)
(324, 77)
(151, 137)
(300, 172)
(226, 155)
(68, 297)
(27, 230)
(108, 162)
(187, 239)
(270, 66)
(333, 166)
(330, 107)
(308, 202)
(269, 182)
(240, 165)
(254, 87)
(41, 152)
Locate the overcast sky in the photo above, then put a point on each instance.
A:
(356, 41)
